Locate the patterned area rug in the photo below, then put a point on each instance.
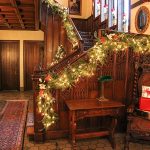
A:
(12, 125)
(3, 105)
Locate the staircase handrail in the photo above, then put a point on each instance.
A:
(82, 55)
(65, 61)
(77, 33)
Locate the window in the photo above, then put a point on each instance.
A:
(112, 13)
(97, 8)
(123, 15)
(117, 14)
(104, 10)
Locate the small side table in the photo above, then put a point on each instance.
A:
(90, 108)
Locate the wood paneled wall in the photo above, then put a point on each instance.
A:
(9, 65)
(88, 25)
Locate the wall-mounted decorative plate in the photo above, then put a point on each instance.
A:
(142, 19)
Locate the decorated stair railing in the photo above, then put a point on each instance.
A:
(75, 51)
(78, 80)
(59, 31)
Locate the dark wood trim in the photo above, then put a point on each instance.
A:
(139, 3)
(129, 16)
(127, 75)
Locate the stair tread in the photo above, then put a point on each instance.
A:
(84, 32)
(30, 119)
(30, 131)
(88, 39)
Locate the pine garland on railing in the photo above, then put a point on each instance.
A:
(63, 13)
(60, 54)
(96, 55)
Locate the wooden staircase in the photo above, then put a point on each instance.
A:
(88, 39)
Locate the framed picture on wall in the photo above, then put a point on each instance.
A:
(97, 8)
(75, 7)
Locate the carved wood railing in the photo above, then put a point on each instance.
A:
(66, 61)
(77, 33)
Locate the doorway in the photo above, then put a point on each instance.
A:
(33, 59)
(9, 65)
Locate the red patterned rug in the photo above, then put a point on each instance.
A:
(12, 125)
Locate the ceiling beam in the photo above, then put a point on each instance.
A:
(26, 6)
(5, 21)
(36, 5)
(13, 3)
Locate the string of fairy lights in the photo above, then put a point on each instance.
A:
(72, 74)
(60, 54)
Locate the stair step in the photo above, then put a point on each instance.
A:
(87, 39)
(85, 33)
(30, 125)
(30, 119)
(88, 43)
(87, 47)
(87, 36)
(30, 131)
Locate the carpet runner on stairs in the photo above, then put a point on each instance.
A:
(88, 39)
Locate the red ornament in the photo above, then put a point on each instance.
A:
(106, 5)
(48, 78)
(124, 14)
(98, 2)
(41, 92)
(102, 39)
(115, 37)
(112, 10)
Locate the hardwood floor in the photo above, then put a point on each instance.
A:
(15, 95)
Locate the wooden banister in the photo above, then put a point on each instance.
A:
(77, 33)
(75, 29)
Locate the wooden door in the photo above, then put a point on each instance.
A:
(9, 65)
(33, 59)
